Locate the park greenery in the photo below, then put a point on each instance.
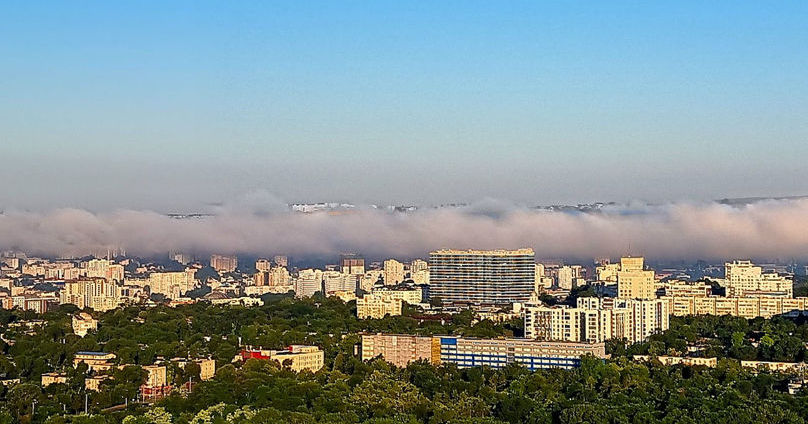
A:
(348, 390)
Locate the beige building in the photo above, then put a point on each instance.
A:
(96, 293)
(94, 382)
(680, 360)
(295, 357)
(96, 361)
(607, 272)
(743, 278)
(398, 350)
(393, 272)
(470, 352)
(411, 296)
(223, 264)
(377, 306)
(263, 265)
(747, 307)
(172, 284)
(83, 323)
(53, 378)
(595, 320)
(633, 281)
(157, 377)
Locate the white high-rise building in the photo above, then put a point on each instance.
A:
(742, 278)
(595, 320)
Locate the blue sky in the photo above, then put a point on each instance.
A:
(172, 105)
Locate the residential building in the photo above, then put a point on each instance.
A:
(377, 306)
(743, 277)
(223, 264)
(295, 357)
(352, 264)
(396, 349)
(410, 295)
(96, 293)
(263, 265)
(597, 320)
(172, 284)
(96, 361)
(633, 281)
(308, 282)
(53, 378)
(680, 360)
(472, 352)
(393, 272)
(83, 323)
(747, 307)
(482, 276)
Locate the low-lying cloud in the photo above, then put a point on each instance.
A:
(770, 229)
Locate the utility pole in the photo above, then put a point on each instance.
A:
(86, 397)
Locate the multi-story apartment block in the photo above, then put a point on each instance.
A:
(83, 323)
(747, 307)
(596, 320)
(410, 295)
(742, 278)
(172, 284)
(393, 272)
(308, 282)
(471, 352)
(223, 264)
(378, 306)
(96, 293)
(633, 281)
(482, 276)
(296, 357)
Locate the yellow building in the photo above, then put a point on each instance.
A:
(96, 361)
(633, 281)
(393, 272)
(680, 360)
(295, 357)
(83, 323)
(53, 378)
(378, 306)
(747, 307)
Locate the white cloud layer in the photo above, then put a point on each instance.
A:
(772, 229)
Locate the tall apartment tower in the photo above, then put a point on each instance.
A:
(482, 276)
(393, 272)
(223, 263)
(352, 264)
(633, 281)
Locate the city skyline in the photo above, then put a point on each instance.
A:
(110, 106)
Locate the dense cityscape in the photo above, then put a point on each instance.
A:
(120, 338)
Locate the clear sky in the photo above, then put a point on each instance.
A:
(173, 105)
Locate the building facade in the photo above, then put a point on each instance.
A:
(482, 276)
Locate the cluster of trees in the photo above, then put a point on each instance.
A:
(348, 390)
(780, 339)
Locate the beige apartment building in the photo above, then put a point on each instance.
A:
(295, 357)
(393, 272)
(747, 307)
(597, 320)
(633, 281)
(742, 278)
(83, 323)
(96, 293)
(377, 306)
